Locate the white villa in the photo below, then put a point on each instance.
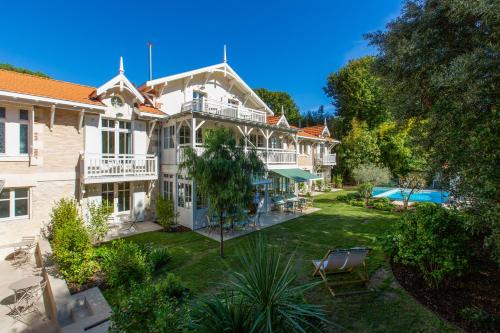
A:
(123, 144)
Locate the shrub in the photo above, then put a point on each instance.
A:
(71, 245)
(479, 318)
(158, 257)
(388, 207)
(318, 184)
(365, 191)
(370, 173)
(165, 213)
(157, 307)
(125, 263)
(266, 289)
(337, 179)
(98, 220)
(434, 240)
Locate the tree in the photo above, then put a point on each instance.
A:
(9, 67)
(358, 147)
(370, 173)
(223, 173)
(409, 184)
(356, 92)
(97, 219)
(165, 213)
(442, 59)
(280, 99)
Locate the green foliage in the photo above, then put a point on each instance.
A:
(98, 220)
(370, 173)
(409, 184)
(71, 245)
(358, 147)
(479, 318)
(337, 180)
(434, 240)
(148, 307)
(9, 67)
(165, 213)
(442, 60)
(365, 191)
(357, 94)
(124, 263)
(223, 173)
(159, 256)
(268, 292)
(318, 184)
(278, 99)
(228, 313)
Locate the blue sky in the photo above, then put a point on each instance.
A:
(280, 45)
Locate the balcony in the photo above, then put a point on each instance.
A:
(269, 157)
(101, 168)
(224, 110)
(326, 159)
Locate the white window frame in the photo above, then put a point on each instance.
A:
(12, 129)
(169, 137)
(12, 204)
(24, 122)
(115, 131)
(184, 140)
(115, 190)
(184, 193)
(3, 121)
(168, 187)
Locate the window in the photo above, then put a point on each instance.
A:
(199, 136)
(198, 98)
(184, 193)
(257, 140)
(2, 130)
(233, 102)
(116, 131)
(201, 200)
(276, 143)
(123, 197)
(23, 132)
(117, 101)
(168, 137)
(184, 135)
(14, 203)
(23, 114)
(108, 193)
(168, 187)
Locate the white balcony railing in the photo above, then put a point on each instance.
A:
(224, 109)
(327, 159)
(96, 167)
(271, 156)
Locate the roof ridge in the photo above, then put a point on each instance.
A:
(47, 78)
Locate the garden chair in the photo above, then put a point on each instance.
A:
(289, 207)
(278, 202)
(27, 302)
(212, 226)
(130, 225)
(342, 261)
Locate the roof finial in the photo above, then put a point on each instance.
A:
(121, 70)
(225, 55)
(325, 121)
(282, 112)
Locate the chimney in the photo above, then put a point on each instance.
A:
(150, 45)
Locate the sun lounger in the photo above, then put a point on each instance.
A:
(342, 261)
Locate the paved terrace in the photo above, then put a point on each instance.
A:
(266, 221)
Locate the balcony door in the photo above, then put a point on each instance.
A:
(116, 136)
(198, 100)
(117, 195)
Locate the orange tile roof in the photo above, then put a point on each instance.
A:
(305, 134)
(39, 86)
(150, 109)
(314, 130)
(273, 120)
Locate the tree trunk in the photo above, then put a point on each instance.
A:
(221, 236)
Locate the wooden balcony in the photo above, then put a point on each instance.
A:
(102, 168)
(224, 110)
(326, 159)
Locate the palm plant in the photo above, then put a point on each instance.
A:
(266, 292)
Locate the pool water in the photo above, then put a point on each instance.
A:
(421, 196)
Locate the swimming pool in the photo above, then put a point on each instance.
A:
(421, 196)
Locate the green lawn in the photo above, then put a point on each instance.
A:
(336, 225)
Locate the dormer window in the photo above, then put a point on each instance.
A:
(117, 101)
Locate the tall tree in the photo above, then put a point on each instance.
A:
(280, 99)
(356, 92)
(223, 173)
(9, 67)
(442, 59)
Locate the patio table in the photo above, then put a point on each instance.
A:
(24, 284)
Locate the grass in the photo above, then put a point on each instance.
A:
(336, 225)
